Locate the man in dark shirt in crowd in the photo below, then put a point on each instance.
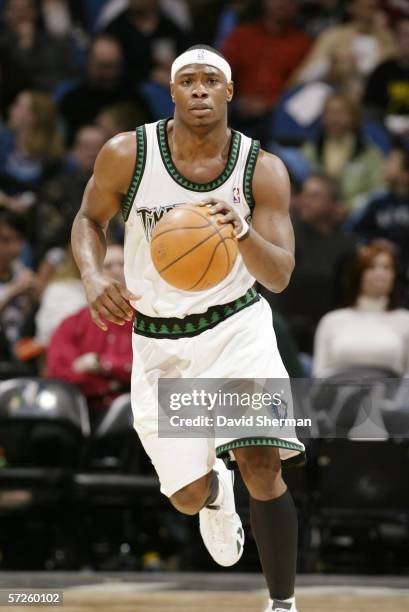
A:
(387, 91)
(387, 215)
(47, 59)
(321, 253)
(148, 38)
(103, 84)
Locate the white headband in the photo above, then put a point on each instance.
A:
(201, 56)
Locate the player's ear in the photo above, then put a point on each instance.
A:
(172, 90)
(230, 91)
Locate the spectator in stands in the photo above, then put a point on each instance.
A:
(60, 197)
(63, 18)
(366, 34)
(102, 85)
(387, 91)
(341, 152)
(263, 55)
(31, 149)
(149, 39)
(387, 215)
(17, 283)
(63, 296)
(98, 362)
(322, 250)
(121, 117)
(47, 59)
(318, 15)
(372, 331)
(14, 78)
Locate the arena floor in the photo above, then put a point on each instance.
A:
(230, 592)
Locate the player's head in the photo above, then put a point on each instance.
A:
(201, 86)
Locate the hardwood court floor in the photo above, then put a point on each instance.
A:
(204, 601)
(212, 592)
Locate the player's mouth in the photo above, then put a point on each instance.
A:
(200, 111)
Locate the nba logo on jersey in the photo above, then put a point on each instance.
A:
(236, 195)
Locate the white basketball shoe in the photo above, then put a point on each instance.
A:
(280, 606)
(220, 526)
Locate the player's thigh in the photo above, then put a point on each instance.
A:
(178, 460)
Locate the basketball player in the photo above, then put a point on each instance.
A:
(194, 157)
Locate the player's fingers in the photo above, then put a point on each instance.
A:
(120, 306)
(106, 312)
(97, 320)
(128, 295)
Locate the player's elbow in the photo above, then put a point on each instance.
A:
(281, 278)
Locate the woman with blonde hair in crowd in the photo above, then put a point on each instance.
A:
(342, 152)
(373, 330)
(63, 295)
(31, 148)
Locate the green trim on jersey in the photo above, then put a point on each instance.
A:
(194, 324)
(183, 181)
(128, 200)
(222, 452)
(249, 173)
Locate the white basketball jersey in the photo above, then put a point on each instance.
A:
(156, 187)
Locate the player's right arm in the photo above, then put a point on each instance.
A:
(101, 202)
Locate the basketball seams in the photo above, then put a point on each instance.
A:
(187, 252)
(190, 209)
(207, 267)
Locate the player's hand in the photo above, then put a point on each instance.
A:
(226, 212)
(109, 299)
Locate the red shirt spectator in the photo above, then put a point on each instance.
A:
(264, 54)
(98, 362)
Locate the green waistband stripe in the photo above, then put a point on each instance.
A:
(191, 325)
(138, 172)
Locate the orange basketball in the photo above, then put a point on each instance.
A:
(190, 250)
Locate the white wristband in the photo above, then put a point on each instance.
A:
(244, 230)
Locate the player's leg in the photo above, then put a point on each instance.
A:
(274, 522)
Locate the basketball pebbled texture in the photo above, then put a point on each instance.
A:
(190, 250)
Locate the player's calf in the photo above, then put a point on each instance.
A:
(191, 498)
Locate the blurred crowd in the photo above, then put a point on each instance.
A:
(324, 84)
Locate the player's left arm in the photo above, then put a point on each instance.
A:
(268, 249)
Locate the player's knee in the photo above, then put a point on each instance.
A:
(261, 472)
(191, 499)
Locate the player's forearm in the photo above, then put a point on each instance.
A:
(88, 240)
(271, 265)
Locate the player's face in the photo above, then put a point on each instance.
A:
(201, 94)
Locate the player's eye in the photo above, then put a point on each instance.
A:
(186, 82)
(213, 81)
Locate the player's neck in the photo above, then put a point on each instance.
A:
(187, 143)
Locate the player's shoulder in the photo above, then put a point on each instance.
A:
(270, 174)
(116, 162)
(119, 146)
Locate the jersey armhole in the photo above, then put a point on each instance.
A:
(249, 173)
(140, 163)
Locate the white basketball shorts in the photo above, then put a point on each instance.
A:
(242, 346)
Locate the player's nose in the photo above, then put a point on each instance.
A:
(199, 91)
